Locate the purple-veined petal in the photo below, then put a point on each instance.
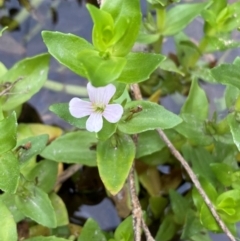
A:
(80, 108)
(94, 122)
(113, 113)
(101, 95)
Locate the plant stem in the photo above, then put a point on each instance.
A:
(138, 221)
(67, 173)
(135, 89)
(69, 89)
(197, 184)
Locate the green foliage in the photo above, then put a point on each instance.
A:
(142, 116)
(67, 149)
(9, 176)
(8, 229)
(116, 156)
(35, 204)
(186, 13)
(8, 128)
(91, 231)
(27, 78)
(32, 157)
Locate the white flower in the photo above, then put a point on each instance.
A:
(97, 108)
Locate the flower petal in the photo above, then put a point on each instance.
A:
(80, 108)
(94, 122)
(113, 113)
(101, 95)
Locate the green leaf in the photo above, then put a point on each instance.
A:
(231, 95)
(33, 72)
(192, 225)
(115, 155)
(9, 172)
(103, 29)
(75, 147)
(50, 238)
(157, 205)
(35, 204)
(235, 130)
(196, 103)
(194, 129)
(101, 70)
(179, 205)
(167, 229)
(60, 209)
(129, 10)
(62, 111)
(187, 51)
(124, 230)
(236, 180)
(9, 201)
(169, 65)
(203, 73)
(201, 160)
(148, 143)
(133, 74)
(144, 38)
(228, 74)
(65, 48)
(207, 220)
(8, 130)
(223, 172)
(3, 69)
(141, 116)
(107, 131)
(45, 173)
(186, 13)
(91, 231)
(8, 230)
(219, 44)
(228, 205)
(30, 147)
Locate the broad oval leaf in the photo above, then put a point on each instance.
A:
(29, 147)
(141, 116)
(135, 71)
(9, 201)
(114, 159)
(45, 172)
(27, 78)
(129, 10)
(91, 231)
(75, 147)
(9, 172)
(223, 173)
(124, 230)
(228, 74)
(8, 230)
(62, 111)
(3, 69)
(101, 70)
(181, 15)
(148, 143)
(196, 102)
(35, 204)
(8, 130)
(167, 229)
(60, 209)
(65, 48)
(179, 205)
